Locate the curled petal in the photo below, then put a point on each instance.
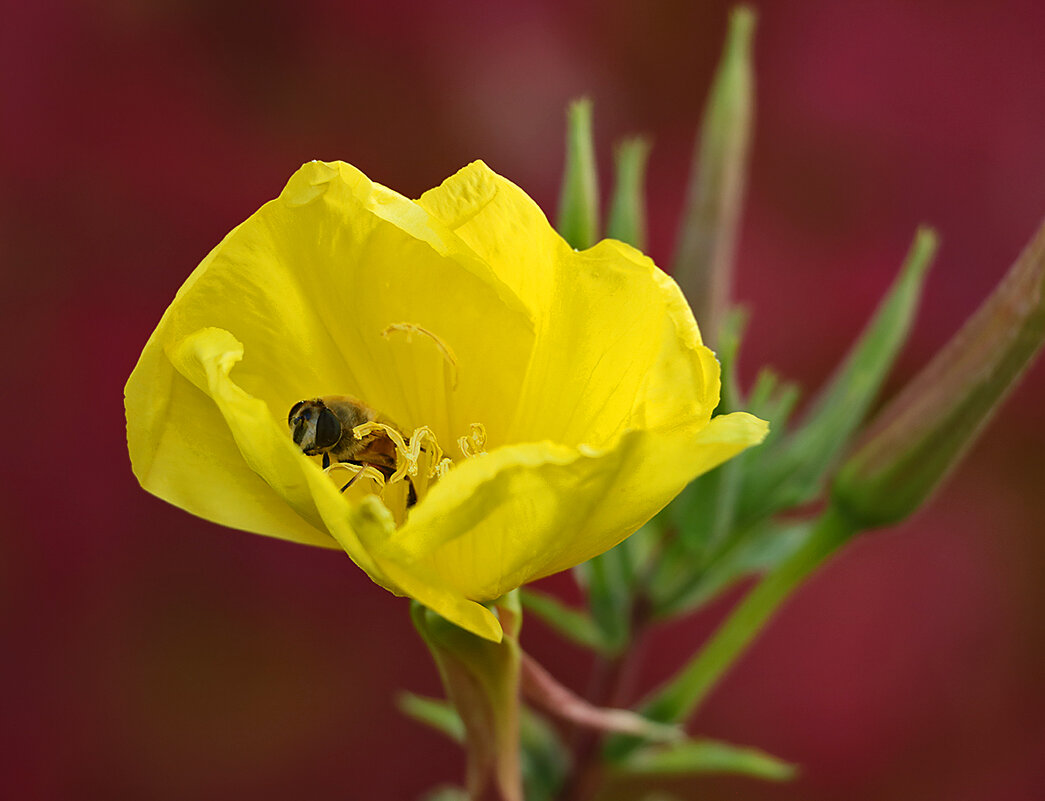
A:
(526, 511)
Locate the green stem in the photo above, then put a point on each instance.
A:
(676, 701)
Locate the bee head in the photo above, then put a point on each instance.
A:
(315, 428)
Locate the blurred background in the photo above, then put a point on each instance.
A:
(148, 654)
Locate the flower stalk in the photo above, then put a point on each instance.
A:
(481, 679)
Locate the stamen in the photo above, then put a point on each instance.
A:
(360, 471)
(435, 453)
(475, 442)
(412, 328)
(402, 449)
(420, 457)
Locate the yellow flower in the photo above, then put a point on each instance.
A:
(463, 313)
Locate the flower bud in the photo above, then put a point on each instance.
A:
(922, 434)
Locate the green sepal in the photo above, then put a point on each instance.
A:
(703, 263)
(627, 216)
(792, 470)
(574, 625)
(435, 713)
(578, 220)
(705, 756)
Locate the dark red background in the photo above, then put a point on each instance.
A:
(148, 654)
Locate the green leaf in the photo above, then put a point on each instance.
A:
(627, 219)
(643, 548)
(609, 579)
(703, 512)
(703, 264)
(756, 550)
(432, 712)
(793, 470)
(579, 199)
(544, 758)
(701, 517)
(572, 624)
(677, 699)
(922, 435)
(730, 337)
(771, 399)
(706, 756)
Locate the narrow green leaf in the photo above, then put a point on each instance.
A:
(678, 697)
(609, 583)
(627, 219)
(579, 199)
(921, 436)
(702, 514)
(703, 511)
(730, 336)
(772, 400)
(432, 712)
(706, 756)
(643, 549)
(703, 263)
(794, 470)
(572, 624)
(756, 550)
(727, 478)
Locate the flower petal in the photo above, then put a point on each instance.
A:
(617, 346)
(182, 450)
(310, 284)
(376, 528)
(522, 512)
(205, 359)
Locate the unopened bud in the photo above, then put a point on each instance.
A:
(919, 437)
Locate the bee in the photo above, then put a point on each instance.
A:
(324, 426)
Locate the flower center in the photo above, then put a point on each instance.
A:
(366, 450)
(419, 462)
